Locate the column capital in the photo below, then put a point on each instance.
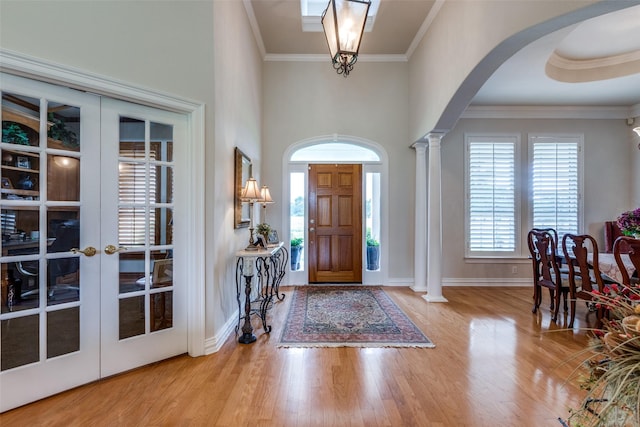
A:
(435, 138)
(420, 146)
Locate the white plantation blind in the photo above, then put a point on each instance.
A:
(133, 190)
(491, 185)
(555, 183)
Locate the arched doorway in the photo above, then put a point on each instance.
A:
(338, 149)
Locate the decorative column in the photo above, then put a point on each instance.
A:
(434, 221)
(420, 238)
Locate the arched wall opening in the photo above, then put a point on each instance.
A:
(506, 49)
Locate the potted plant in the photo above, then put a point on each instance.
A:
(59, 132)
(373, 253)
(296, 252)
(263, 229)
(13, 134)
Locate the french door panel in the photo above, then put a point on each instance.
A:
(143, 299)
(335, 224)
(50, 312)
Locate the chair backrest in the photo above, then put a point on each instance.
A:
(544, 248)
(533, 231)
(67, 236)
(611, 233)
(630, 246)
(576, 248)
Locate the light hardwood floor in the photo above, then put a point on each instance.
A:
(495, 364)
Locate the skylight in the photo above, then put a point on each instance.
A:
(312, 10)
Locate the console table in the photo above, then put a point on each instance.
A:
(259, 274)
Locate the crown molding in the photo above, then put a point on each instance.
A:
(548, 112)
(284, 57)
(433, 12)
(255, 28)
(586, 70)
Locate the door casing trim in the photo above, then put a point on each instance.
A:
(382, 167)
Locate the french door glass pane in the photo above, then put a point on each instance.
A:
(163, 180)
(20, 162)
(20, 341)
(161, 309)
(63, 124)
(162, 273)
(131, 316)
(145, 225)
(161, 226)
(63, 331)
(64, 172)
(132, 274)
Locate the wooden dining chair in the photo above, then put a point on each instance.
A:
(584, 277)
(546, 271)
(630, 246)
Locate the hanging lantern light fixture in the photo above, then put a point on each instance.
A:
(343, 23)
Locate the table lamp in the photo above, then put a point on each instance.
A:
(265, 199)
(250, 194)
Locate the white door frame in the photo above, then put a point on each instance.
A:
(38, 69)
(382, 167)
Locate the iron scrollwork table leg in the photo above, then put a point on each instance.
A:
(247, 330)
(269, 271)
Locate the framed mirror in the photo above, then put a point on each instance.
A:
(242, 172)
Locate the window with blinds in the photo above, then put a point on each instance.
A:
(492, 217)
(555, 182)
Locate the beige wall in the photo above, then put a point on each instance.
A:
(139, 42)
(308, 99)
(204, 50)
(447, 63)
(634, 147)
(238, 112)
(167, 46)
(606, 185)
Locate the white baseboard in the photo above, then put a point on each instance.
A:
(213, 344)
(515, 282)
(399, 281)
(460, 281)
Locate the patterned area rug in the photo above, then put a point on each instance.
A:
(348, 316)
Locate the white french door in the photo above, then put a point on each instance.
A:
(78, 186)
(140, 288)
(50, 204)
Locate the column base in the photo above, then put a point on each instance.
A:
(430, 298)
(418, 288)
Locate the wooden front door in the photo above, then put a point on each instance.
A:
(335, 223)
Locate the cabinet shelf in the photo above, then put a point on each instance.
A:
(21, 153)
(19, 192)
(15, 168)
